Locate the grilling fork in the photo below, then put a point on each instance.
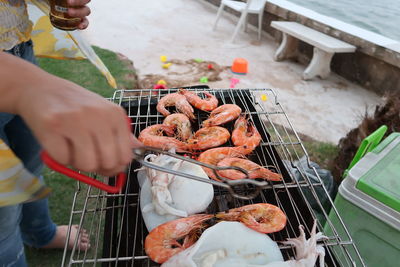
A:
(233, 186)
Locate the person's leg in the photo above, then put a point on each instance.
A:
(37, 228)
(11, 246)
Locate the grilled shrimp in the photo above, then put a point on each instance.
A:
(175, 236)
(223, 114)
(215, 155)
(245, 134)
(172, 237)
(254, 170)
(154, 136)
(208, 104)
(261, 217)
(177, 100)
(182, 124)
(208, 137)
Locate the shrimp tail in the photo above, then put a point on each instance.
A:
(161, 108)
(169, 130)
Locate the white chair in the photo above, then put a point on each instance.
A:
(248, 7)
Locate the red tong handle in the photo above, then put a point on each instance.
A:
(51, 163)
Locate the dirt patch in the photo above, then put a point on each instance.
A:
(387, 114)
(185, 73)
(131, 79)
(338, 85)
(341, 85)
(255, 43)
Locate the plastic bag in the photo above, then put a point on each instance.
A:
(301, 170)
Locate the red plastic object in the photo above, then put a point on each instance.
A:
(234, 82)
(160, 86)
(240, 66)
(210, 66)
(51, 163)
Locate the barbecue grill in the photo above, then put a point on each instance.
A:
(114, 221)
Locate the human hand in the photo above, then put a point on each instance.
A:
(79, 9)
(77, 127)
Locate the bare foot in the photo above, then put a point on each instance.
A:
(61, 235)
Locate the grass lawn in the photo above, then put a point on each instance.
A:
(321, 153)
(85, 74)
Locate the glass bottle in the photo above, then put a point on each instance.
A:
(59, 16)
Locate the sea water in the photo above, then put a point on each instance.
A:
(379, 16)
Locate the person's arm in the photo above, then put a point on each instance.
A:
(75, 126)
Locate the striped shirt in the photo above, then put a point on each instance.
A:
(15, 26)
(17, 185)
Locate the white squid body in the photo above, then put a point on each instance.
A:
(165, 197)
(235, 245)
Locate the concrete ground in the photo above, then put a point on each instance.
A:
(182, 29)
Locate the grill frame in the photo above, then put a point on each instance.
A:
(114, 221)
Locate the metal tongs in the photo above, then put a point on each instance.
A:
(233, 186)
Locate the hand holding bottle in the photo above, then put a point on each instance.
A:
(69, 15)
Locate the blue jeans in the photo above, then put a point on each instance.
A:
(28, 223)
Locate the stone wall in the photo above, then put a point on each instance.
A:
(372, 66)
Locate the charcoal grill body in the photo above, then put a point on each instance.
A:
(121, 231)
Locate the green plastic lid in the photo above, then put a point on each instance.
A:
(382, 181)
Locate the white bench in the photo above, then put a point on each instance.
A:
(324, 47)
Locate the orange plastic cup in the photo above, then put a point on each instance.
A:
(240, 66)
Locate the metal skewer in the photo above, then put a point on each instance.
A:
(230, 185)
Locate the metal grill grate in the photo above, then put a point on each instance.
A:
(115, 224)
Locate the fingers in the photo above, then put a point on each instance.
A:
(53, 139)
(104, 145)
(80, 12)
(107, 149)
(69, 140)
(58, 148)
(117, 154)
(77, 3)
(84, 24)
(90, 135)
(78, 9)
(135, 143)
(84, 151)
(124, 140)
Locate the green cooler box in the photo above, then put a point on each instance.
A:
(369, 203)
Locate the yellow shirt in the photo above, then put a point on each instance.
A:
(15, 26)
(17, 185)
